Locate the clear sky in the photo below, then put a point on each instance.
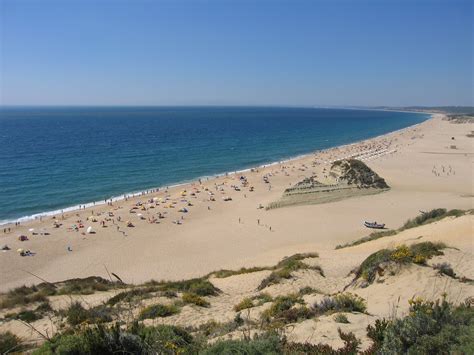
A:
(223, 52)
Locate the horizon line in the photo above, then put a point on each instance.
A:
(222, 105)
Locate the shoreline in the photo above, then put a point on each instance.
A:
(191, 181)
(167, 243)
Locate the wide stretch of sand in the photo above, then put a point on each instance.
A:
(419, 164)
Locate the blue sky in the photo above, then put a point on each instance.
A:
(138, 52)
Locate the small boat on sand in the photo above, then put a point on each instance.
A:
(374, 225)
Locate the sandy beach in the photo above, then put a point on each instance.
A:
(427, 166)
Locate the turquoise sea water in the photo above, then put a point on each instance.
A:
(53, 158)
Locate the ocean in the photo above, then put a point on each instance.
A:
(54, 158)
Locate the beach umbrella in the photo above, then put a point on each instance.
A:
(139, 214)
(31, 229)
(89, 230)
(19, 250)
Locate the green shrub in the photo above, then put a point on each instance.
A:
(227, 273)
(401, 254)
(22, 296)
(125, 296)
(201, 287)
(268, 345)
(280, 271)
(25, 295)
(95, 340)
(416, 253)
(430, 217)
(138, 293)
(427, 249)
(192, 298)
(282, 310)
(370, 237)
(291, 262)
(77, 314)
(85, 286)
(307, 290)
(274, 278)
(249, 302)
(167, 339)
(157, 310)
(347, 302)
(44, 307)
(169, 294)
(31, 315)
(445, 269)
(28, 316)
(376, 333)
(294, 314)
(262, 298)
(138, 339)
(283, 303)
(368, 268)
(244, 304)
(425, 218)
(273, 344)
(341, 318)
(430, 328)
(209, 328)
(10, 343)
(213, 328)
(286, 266)
(342, 302)
(351, 347)
(464, 343)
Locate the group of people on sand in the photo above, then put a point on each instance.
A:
(446, 171)
(154, 209)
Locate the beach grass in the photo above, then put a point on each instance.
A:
(223, 273)
(25, 295)
(254, 301)
(425, 218)
(369, 238)
(429, 327)
(200, 286)
(342, 302)
(158, 311)
(76, 314)
(415, 253)
(285, 268)
(10, 343)
(192, 298)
